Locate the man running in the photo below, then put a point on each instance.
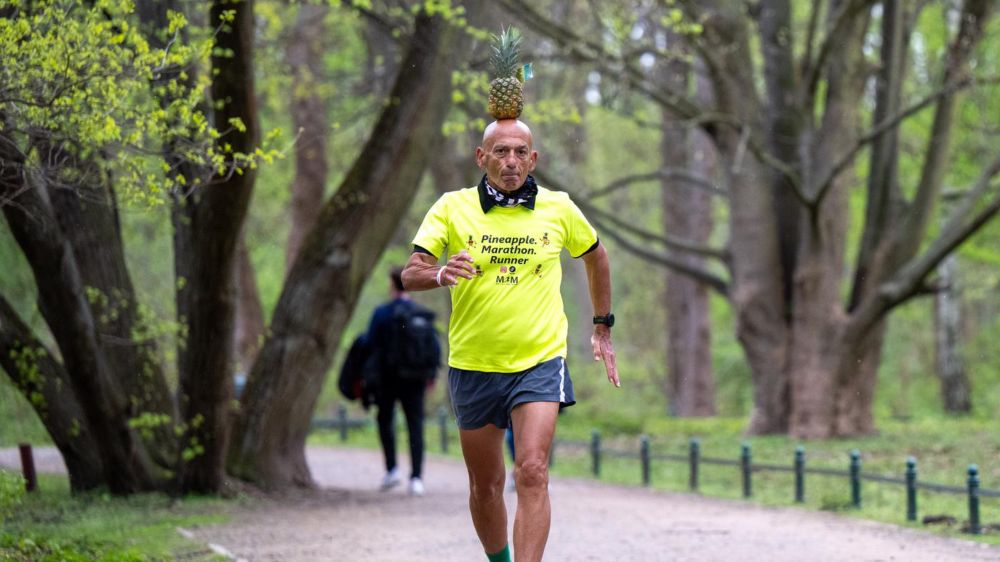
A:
(508, 328)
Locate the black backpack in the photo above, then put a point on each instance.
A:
(412, 351)
(359, 375)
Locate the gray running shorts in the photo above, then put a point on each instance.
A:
(482, 397)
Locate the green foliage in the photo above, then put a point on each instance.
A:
(52, 525)
(45, 550)
(11, 493)
(89, 81)
(84, 76)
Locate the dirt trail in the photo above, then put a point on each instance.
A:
(349, 520)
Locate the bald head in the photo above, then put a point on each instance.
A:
(506, 127)
(506, 155)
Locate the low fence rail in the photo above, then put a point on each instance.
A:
(747, 466)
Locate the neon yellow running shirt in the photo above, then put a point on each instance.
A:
(510, 316)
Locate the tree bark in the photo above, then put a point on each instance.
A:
(757, 292)
(89, 210)
(249, 312)
(949, 365)
(820, 378)
(323, 285)
(309, 117)
(63, 303)
(687, 214)
(47, 386)
(207, 227)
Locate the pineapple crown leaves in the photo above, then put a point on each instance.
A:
(506, 53)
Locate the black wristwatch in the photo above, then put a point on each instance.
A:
(608, 320)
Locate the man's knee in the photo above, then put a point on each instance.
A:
(532, 473)
(486, 490)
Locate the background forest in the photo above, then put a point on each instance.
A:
(796, 197)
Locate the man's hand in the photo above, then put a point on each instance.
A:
(459, 265)
(422, 272)
(603, 349)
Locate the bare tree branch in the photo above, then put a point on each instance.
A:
(832, 39)
(879, 130)
(593, 52)
(694, 180)
(604, 221)
(698, 274)
(670, 241)
(909, 279)
(810, 39)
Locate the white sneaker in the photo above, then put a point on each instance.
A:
(390, 480)
(416, 487)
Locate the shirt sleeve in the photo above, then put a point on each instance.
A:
(580, 235)
(433, 232)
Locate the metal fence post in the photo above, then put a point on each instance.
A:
(974, 527)
(595, 452)
(342, 420)
(694, 453)
(644, 457)
(443, 427)
(800, 474)
(28, 467)
(856, 478)
(745, 460)
(911, 489)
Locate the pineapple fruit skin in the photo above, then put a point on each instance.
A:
(506, 98)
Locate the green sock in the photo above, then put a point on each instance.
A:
(502, 556)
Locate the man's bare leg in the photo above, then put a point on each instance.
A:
(534, 426)
(483, 452)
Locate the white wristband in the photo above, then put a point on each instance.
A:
(440, 270)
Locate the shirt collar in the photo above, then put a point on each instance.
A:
(490, 197)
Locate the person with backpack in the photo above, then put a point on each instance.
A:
(405, 356)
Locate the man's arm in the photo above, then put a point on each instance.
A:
(599, 279)
(423, 273)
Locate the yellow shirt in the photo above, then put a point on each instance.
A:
(510, 316)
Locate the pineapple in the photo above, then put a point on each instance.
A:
(506, 98)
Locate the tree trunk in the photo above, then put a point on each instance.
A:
(323, 285)
(46, 385)
(950, 368)
(249, 313)
(757, 293)
(687, 214)
(90, 211)
(309, 117)
(207, 228)
(821, 388)
(62, 300)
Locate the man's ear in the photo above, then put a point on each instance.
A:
(479, 156)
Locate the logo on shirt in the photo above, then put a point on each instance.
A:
(470, 243)
(545, 239)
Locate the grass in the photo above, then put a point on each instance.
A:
(943, 447)
(52, 525)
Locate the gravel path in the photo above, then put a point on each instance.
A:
(350, 520)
